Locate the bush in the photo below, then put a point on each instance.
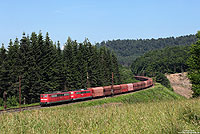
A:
(161, 78)
(1, 102)
(126, 75)
(196, 89)
(12, 101)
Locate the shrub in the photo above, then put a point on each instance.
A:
(1, 102)
(12, 101)
(161, 78)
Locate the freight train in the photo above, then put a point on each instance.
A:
(89, 93)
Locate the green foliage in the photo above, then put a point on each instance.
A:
(194, 66)
(1, 102)
(4, 71)
(161, 78)
(167, 60)
(158, 62)
(128, 50)
(12, 101)
(126, 75)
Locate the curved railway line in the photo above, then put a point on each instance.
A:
(10, 110)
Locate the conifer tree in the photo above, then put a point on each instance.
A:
(67, 56)
(93, 65)
(82, 65)
(25, 73)
(75, 66)
(4, 72)
(115, 69)
(102, 79)
(59, 67)
(15, 69)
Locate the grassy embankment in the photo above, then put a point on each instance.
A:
(156, 110)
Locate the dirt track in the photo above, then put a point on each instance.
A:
(181, 84)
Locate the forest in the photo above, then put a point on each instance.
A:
(167, 60)
(128, 50)
(42, 66)
(158, 62)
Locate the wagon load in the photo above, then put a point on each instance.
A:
(138, 85)
(130, 87)
(107, 90)
(97, 91)
(124, 88)
(116, 89)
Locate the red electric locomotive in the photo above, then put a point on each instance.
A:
(81, 94)
(55, 97)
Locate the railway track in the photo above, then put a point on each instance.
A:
(10, 110)
(63, 104)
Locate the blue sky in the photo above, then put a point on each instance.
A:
(98, 20)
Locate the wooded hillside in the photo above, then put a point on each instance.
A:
(128, 50)
(158, 62)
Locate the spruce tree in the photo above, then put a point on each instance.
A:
(92, 65)
(75, 66)
(115, 69)
(15, 69)
(67, 56)
(4, 71)
(82, 65)
(59, 67)
(25, 74)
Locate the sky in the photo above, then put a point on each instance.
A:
(98, 20)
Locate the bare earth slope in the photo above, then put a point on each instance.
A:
(181, 84)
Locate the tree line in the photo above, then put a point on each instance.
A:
(42, 66)
(128, 50)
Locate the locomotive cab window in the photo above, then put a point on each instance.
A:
(41, 95)
(45, 96)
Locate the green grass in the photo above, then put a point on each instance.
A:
(23, 105)
(165, 113)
